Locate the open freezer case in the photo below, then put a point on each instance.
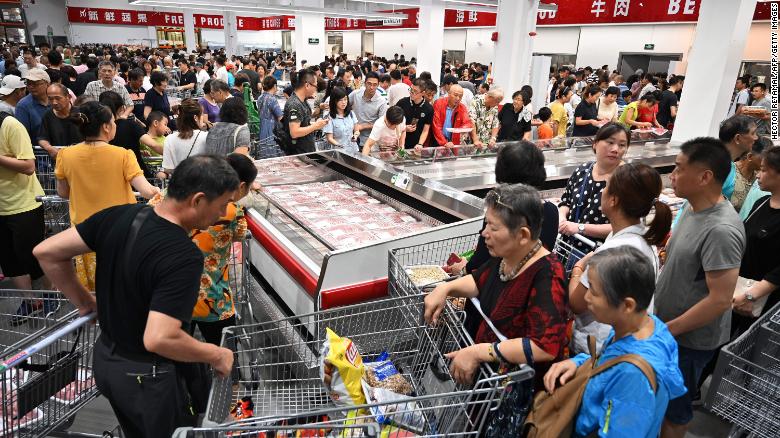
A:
(473, 170)
(326, 220)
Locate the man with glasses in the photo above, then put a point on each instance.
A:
(31, 108)
(398, 90)
(105, 82)
(368, 106)
(418, 114)
(297, 115)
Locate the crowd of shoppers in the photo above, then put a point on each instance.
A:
(155, 282)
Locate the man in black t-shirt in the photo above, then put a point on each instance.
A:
(187, 78)
(136, 91)
(297, 115)
(147, 283)
(418, 114)
(56, 129)
(667, 106)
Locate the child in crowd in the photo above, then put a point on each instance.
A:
(156, 128)
(545, 130)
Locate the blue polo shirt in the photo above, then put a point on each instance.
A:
(30, 112)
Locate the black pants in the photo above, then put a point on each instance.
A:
(147, 406)
(19, 233)
(212, 331)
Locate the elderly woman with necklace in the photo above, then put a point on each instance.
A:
(520, 289)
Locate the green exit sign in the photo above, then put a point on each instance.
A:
(314, 40)
(649, 46)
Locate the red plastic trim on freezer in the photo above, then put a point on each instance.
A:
(296, 271)
(353, 294)
(341, 296)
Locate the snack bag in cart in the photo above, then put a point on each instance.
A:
(345, 389)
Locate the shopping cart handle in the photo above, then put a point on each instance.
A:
(585, 240)
(48, 340)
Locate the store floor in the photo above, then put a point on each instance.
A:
(97, 417)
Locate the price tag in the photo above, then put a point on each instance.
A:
(402, 180)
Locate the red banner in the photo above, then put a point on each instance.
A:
(124, 17)
(570, 12)
(280, 22)
(209, 21)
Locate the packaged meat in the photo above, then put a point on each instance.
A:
(349, 210)
(381, 209)
(400, 218)
(75, 390)
(340, 230)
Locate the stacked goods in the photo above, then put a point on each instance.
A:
(343, 215)
(282, 170)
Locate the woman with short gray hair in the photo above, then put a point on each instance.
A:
(520, 289)
(621, 401)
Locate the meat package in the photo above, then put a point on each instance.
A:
(343, 215)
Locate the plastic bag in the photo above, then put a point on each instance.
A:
(403, 414)
(348, 368)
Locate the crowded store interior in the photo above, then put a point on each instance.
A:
(391, 218)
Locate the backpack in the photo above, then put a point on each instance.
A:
(282, 134)
(554, 415)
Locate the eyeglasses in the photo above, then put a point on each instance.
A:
(495, 197)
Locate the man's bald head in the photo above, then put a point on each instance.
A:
(454, 95)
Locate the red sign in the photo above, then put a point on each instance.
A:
(124, 17)
(209, 21)
(458, 18)
(619, 11)
(279, 22)
(763, 10)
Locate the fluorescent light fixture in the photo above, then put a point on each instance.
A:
(243, 7)
(464, 5)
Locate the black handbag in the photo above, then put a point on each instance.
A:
(508, 419)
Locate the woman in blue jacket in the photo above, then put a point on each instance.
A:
(620, 401)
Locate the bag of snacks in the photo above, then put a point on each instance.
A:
(348, 368)
(383, 374)
(403, 412)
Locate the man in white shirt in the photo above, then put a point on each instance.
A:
(201, 75)
(449, 81)
(398, 90)
(221, 72)
(29, 62)
(741, 98)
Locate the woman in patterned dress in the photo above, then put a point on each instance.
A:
(580, 206)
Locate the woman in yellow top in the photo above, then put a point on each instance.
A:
(214, 309)
(560, 117)
(95, 175)
(631, 111)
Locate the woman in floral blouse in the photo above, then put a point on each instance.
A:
(214, 309)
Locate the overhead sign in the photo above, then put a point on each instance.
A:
(649, 46)
(124, 17)
(314, 41)
(569, 13)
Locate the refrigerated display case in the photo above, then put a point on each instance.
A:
(473, 170)
(325, 222)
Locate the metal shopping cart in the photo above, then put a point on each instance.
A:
(56, 213)
(155, 165)
(44, 170)
(745, 386)
(45, 368)
(568, 253)
(289, 389)
(263, 148)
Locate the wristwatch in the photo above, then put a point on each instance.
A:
(581, 228)
(749, 297)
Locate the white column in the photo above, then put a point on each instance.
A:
(189, 30)
(231, 34)
(309, 39)
(540, 78)
(515, 20)
(713, 66)
(430, 38)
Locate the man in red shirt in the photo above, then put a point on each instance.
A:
(451, 113)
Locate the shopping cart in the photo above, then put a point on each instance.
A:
(265, 148)
(46, 377)
(745, 386)
(56, 213)
(44, 170)
(155, 165)
(568, 253)
(289, 390)
(46, 309)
